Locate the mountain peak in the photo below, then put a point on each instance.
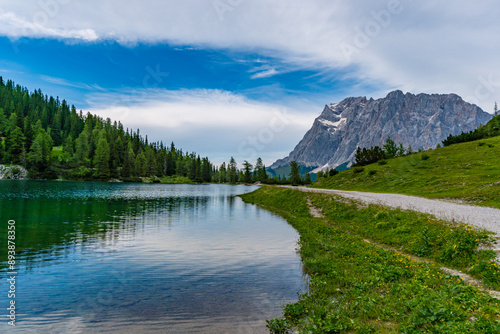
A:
(422, 121)
(396, 94)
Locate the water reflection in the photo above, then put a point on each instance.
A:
(147, 258)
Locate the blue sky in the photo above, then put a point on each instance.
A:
(245, 78)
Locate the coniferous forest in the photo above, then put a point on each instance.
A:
(52, 140)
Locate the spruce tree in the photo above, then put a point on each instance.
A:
(15, 145)
(247, 168)
(390, 148)
(233, 174)
(222, 173)
(295, 178)
(140, 164)
(39, 155)
(101, 158)
(128, 162)
(307, 179)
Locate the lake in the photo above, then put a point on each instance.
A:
(144, 258)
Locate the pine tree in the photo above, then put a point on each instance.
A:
(128, 162)
(101, 158)
(198, 177)
(247, 168)
(233, 174)
(222, 173)
(206, 170)
(69, 146)
(260, 171)
(3, 123)
(152, 168)
(307, 179)
(390, 148)
(495, 109)
(2, 151)
(39, 155)
(15, 145)
(295, 178)
(140, 164)
(82, 150)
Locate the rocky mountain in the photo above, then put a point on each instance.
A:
(419, 121)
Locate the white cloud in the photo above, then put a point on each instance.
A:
(64, 82)
(212, 122)
(265, 74)
(15, 26)
(421, 46)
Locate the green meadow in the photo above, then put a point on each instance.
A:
(377, 270)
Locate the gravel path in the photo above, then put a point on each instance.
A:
(486, 218)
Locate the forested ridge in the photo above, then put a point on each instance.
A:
(53, 140)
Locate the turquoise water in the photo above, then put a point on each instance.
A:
(144, 258)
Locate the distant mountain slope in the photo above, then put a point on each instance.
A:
(419, 121)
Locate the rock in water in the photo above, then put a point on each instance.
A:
(420, 121)
(13, 172)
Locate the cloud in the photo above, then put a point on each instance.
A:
(423, 46)
(15, 27)
(212, 122)
(64, 82)
(265, 74)
(418, 46)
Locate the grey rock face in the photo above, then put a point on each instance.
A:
(13, 172)
(419, 121)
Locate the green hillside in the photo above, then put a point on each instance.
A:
(468, 172)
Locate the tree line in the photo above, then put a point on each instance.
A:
(490, 129)
(366, 156)
(53, 140)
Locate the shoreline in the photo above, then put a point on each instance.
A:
(358, 286)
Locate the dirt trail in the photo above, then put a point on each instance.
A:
(315, 212)
(486, 218)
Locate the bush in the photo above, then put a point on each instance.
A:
(278, 326)
(81, 173)
(132, 179)
(15, 170)
(424, 157)
(357, 170)
(333, 172)
(372, 172)
(368, 156)
(481, 144)
(382, 162)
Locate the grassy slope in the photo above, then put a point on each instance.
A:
(357, 287)
(466, 171)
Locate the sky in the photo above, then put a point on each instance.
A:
(245, 78)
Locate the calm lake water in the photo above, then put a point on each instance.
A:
(144, 258)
